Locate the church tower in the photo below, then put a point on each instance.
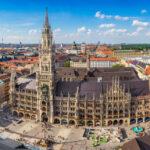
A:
(45, 75)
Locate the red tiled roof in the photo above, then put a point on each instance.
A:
(147, 70)
(23, 61)
(103, 59)
(104, 50)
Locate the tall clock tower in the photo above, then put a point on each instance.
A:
(45, 75)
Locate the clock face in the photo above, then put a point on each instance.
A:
(44, 59)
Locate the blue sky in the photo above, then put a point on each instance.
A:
(107, 21)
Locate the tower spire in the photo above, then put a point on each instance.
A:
(46, 18)
(47, 33)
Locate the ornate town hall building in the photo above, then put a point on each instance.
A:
(79, 96)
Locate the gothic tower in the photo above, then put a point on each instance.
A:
(45, 75)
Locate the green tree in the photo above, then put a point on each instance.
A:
(67, 63)
(118, 66)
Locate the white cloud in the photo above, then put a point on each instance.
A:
(118, 30)
(133, 33)
(14, 37)
(107, 25)
(140, 23)
(117, 17)
(57, 30)
(114, 31)
(121, 30)
(27, 24)
(100, 15)
(3, 29)
(81, 29)
(139, 29)
(148, 34)
(137, 32)
(89, 31)
(143, 11)
(84, 30)
(32, 31)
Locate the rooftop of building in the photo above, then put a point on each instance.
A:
(138, 63)
(140, 143)
(97, 72)
(26, 82)
(103, 49)
(103, 59)
(147, 70)
(89, 83)
(89, 88)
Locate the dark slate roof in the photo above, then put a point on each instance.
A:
(87, 81)
(139, 87)
(106, 73)
(71, 72)
(90, 88)
(142, 143)
(32, 76)
(66, 87)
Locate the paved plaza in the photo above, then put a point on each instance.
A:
(66, 138)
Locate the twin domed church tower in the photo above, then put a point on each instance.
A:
(45, 75)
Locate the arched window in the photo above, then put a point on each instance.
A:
(46, 68)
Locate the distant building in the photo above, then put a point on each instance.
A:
(104, 51)
(78, 64)
(74, 50)
(130, 53)
(4, 88)
(102, 62)
(83, 48)
(95, 62)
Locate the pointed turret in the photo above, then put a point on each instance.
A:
(46, 24)
(46, 34)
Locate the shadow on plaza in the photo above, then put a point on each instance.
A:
(6, 118)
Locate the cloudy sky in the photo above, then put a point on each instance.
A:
(107, 21)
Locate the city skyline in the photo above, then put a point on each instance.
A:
(86, 21)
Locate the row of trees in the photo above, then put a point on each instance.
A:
(135, 47)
